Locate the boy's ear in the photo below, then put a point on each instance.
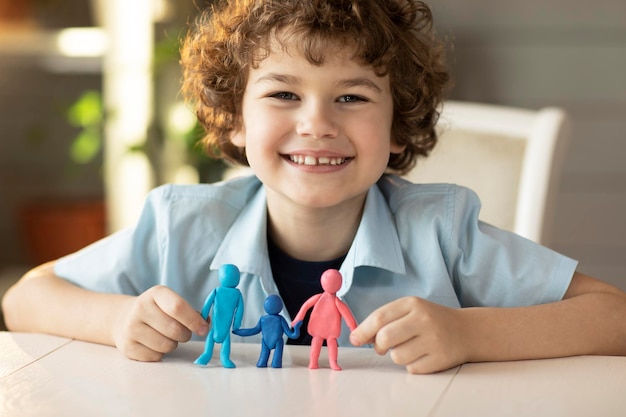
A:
(238, 137)
(396, 148)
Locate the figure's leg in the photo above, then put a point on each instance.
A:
(277, 360)
(264, 357)
(333, 351)
(225, 354)
(316, 347)
(208, 350)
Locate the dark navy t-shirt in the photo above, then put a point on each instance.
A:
(297, 281)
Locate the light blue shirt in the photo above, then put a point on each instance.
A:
(422, 240)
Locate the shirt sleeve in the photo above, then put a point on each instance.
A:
(126, 262)
(494, 267)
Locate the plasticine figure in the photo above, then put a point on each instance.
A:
(272, 326)
(325, 320)
(227, 304)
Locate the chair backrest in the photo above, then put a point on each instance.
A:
(511, 157)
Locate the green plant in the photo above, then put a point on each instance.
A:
(82, 139)
(86, 114)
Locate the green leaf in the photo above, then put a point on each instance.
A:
(87, 110)
(86, 146)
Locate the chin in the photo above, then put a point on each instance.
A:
(325, 199)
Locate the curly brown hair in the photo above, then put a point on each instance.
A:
(394, 37)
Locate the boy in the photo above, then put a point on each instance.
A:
(323, 98)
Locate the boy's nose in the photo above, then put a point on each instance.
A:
(317, 121)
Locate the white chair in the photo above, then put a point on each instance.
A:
(511, 157)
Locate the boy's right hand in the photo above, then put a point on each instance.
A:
(153, 324)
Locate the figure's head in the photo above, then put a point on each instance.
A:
(229, 276)
(393, 37)
(273, 304)
(331, 281)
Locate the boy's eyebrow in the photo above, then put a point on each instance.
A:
(291, 79)
(360, 82)
(281, 78)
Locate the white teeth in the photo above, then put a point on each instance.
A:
(312, 161)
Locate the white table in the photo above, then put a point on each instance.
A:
(49, 376)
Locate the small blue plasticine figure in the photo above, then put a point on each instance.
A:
(272, 327)
(227, 304)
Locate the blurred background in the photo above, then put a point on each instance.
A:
(71, 100)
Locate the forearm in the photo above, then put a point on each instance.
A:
(43, 302)
(590, 323)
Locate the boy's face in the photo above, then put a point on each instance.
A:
(317, 136)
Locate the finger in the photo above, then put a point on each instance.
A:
(423, 365)
(184, 317)
(367, 331)
(164, 333)
(152, 337)
(399, 333)
(139, 352)
(408, 352)
(428, 364)
(412, 355)
(145, 344)
(144, 354)
(158, 323)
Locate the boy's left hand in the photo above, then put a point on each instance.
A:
(421, 335)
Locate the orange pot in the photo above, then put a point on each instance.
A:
(52, 229)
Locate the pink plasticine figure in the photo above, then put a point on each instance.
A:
(325, 320)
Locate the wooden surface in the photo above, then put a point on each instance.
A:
(50, 376)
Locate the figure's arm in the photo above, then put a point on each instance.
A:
(238, 313)
(291, 333)
(143, 327)
(427, 337)
(305, 307)
(248, 332)
(345, 312)
(206, 308)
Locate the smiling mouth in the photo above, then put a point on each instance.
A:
(313, 161)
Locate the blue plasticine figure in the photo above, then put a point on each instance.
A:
(227, 304)
(272, 327)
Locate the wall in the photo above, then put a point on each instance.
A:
(34, 143)
(567, 53)
(37, 85)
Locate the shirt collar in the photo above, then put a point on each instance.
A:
(376, 243)
(245, 244)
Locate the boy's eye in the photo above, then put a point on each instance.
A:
(350, 99)
(283, 95)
